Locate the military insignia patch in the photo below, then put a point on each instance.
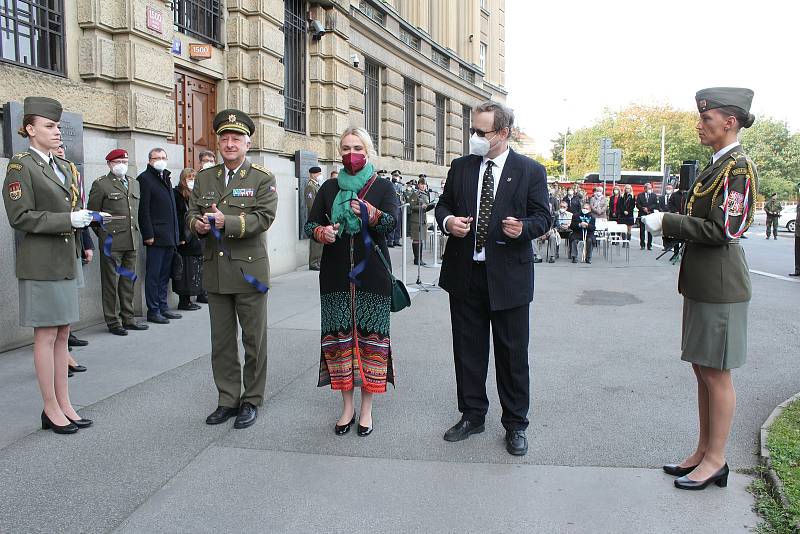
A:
(735, 204)
(231, 118)
(702, 105)
(310, 195)
(14, 191)
(14, 166)
(244, 192)
(272, 189)
(739, 170)
(242, 173)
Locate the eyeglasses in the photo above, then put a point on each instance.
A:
(480, 133)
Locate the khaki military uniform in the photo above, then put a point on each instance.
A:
(314, 247)
(110, 195)
(417, 216)
(773, 210)
(249, 203)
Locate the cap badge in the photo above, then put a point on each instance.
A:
(231, 118)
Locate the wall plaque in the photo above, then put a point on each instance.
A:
(199, 51)
(155, 19)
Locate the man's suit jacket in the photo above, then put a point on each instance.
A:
(643, 201)
(521, 193)
(158, 216)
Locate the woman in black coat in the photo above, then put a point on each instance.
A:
(628, 204)
(189, 248)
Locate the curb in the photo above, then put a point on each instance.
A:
(772, 477)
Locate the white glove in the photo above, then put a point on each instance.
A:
(80, 218)
(653, 222)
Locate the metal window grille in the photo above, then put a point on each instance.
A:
(410, 39)
(294, 66)
(371, 101)
(466, 124)
(466, 74)
(409, 118)
(440, 59)
(32, 34)
(440, 101)
(372, 12)
(200, 18)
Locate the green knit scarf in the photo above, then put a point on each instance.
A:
(349, 186)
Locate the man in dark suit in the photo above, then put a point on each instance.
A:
(646, 203)
(493, 205)
(158, 223)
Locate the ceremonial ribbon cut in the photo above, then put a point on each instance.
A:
(119, 269)
(250, 279)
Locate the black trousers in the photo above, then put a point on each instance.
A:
(158, 267)
(797, 254)
(642, 231)
(471, 320)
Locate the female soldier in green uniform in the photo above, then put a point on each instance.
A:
(714, 278)
(42, 201)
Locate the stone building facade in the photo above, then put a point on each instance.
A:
(146, 73)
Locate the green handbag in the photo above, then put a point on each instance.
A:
(400, 298)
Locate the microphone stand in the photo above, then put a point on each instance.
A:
(419, 284)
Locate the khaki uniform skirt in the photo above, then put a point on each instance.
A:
(50, 302)
(714, 335)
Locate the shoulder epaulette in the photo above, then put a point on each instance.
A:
(21, 155)
(213, 169)
(258, 167)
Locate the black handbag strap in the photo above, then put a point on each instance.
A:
(385, 263)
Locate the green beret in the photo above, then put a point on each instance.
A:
(233, 120)
(43, 107)
(719, 97)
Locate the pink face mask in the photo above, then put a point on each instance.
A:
(354, 162)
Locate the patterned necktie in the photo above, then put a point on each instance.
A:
(230, 177)
(124, 181)
(485, 208)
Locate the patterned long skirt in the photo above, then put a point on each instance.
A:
(355, 345)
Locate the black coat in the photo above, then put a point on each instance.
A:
(192, 245)
(577, 230)
(645, 206)
(627, 205)
(158, 217)
(521, 193)
(615, 210)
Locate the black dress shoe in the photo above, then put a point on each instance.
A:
(551, 260)
(538, 260)
(462, 430)
(70, 374)
(77, 368)
(313, 268)
(75, 342)
(221, 414)
(202, 299)
(574, 260)
(678, 471)
(135, 326)
(247, 416)
(170, 315)
(720, 478)
(188, 307)
(81, 423)
(157, 318)
(47, 424)
(795, 273)
(516, 442)
(341, 430)
(117, 330)
(364, 430)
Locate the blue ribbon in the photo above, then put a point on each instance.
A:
(362, 265)
(250, 279)
(119, 269)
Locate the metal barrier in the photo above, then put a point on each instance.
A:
(403, 217)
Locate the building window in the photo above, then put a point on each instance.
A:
(482, 60)
(409, 118)
(199, 18)
(440, 104)
(466, 124)
(484, 5)
(294, 66)
(32, 34)
(372, 12)
(410, 39)
(466, 74)
(440, 59)
(371, 101)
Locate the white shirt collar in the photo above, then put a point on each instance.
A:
(722, 151)
(45, 157)
(499, 161)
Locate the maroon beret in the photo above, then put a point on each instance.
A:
(116, 154)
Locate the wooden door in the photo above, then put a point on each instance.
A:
(195, 107)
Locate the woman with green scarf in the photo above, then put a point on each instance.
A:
(355, 287)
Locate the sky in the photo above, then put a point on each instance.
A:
(568, 60)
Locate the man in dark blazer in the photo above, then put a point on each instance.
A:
(646, 203)
(493, 205)
(158, 224)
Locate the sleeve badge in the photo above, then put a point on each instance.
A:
(15, 191)
(734, 204)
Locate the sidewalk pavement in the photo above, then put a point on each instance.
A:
(611, 402)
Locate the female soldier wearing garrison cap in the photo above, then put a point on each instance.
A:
(714, 279)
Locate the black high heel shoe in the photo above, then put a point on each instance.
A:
(678, 471)
(341, 430)
(720, 478)
(47, 424)
(364, 430)
(80, 423)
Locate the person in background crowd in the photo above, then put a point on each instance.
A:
(42, 202)
(189, 247)
(334, 175)
(598, 204)
(310, 192)
(646, 203)
(628, 205)
(582, 226)
(396, 235)
(563, 220)
(554, 199)
(796, 242)
(773, 209)
(158, 223)
(569, 196)
(615, 205)
(548, 242)
(207, 159)
(118, 194)
(419, 205)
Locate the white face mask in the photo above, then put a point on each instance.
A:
(584, 211)
(598, 195)
(669, 191)
(190, 184)
(479, 146)
(119, 170)
(160, 165)
(562, 210)
(208, 164)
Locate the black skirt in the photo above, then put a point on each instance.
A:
(191, 283)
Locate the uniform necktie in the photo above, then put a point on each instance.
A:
(55, 170)
(485, 207)
(124, 181)
(230, 177)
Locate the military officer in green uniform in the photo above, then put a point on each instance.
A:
(239, 198)
(714, 279)
(773, 210)
(419, 203)
(310, 193)
(118, 194)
